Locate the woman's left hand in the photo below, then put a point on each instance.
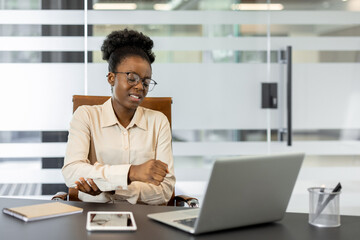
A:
(88, 186)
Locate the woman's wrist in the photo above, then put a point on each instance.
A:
(131, 174)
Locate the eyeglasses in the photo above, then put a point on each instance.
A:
(133, 79)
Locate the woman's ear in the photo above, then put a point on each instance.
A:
(111, 78)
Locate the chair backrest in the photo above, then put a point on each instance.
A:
(162, 104)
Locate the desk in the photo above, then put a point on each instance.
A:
(293, 226)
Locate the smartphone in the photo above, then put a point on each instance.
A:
(110, 221)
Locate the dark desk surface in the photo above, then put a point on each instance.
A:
(293, 226)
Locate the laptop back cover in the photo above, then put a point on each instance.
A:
(248, 190)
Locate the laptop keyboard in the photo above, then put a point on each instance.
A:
(187, 221)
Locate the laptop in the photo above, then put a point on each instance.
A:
(241, 191)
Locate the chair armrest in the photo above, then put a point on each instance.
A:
(191, 202)
(71, 196)
(60, 196)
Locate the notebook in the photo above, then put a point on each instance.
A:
(42, 211)
(241, 191)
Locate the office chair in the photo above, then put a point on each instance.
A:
(162, 104)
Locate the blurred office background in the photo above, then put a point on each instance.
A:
(212, 58)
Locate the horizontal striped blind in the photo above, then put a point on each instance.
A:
(209, 94)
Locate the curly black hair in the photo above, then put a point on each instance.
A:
(120, 44)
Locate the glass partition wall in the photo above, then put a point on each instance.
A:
(211, 70)
(325, 41)
(212, 59)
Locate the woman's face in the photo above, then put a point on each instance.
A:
(124, 94)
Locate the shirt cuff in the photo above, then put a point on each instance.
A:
(114, 176)
(101, 198)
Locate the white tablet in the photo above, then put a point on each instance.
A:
(110, 221)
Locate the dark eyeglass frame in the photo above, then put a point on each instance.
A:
(150, 85)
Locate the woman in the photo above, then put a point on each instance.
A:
(118, 150)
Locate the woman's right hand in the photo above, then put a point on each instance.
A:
(88, 186)
(152, 171)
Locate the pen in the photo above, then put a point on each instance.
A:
(328, 199)
(321, 198)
